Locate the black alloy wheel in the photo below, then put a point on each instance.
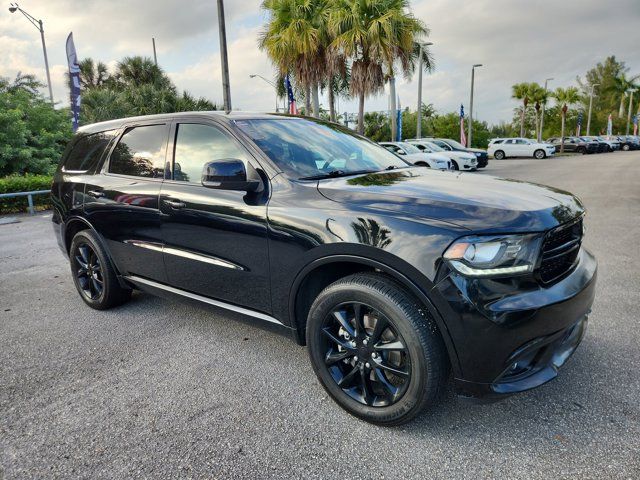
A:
(88, 272)
(375, 349)
(93, 273)
(364, 354)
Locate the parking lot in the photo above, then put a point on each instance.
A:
(156, 388)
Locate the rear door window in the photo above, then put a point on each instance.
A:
(87, 152)
(140, 152)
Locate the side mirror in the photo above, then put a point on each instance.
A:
(401, 152)
(230, 174)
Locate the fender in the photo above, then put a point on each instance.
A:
(397, 275)
(103, 244)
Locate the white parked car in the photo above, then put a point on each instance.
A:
(413, 155)
(519, 147)
(459, 160)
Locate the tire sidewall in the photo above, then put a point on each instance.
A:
(537, 155)
(411, 399)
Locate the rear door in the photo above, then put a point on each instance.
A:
(121, 202)
(215, 240)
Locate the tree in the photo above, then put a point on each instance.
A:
(539, 96)
(138, 71)
(296, 40)
(448, 126)
(376, 126)
(93, 74)
(522, 92)
(565, 97)
(33, 134)
(622, 85)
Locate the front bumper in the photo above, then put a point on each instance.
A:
(510, 338)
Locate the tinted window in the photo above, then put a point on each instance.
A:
(86, 152)
(306, 148)
(497, 142)
(200, 144)
(140, 152)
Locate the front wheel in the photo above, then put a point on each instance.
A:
(499, 155)
(625, 148)
(375, 350)
(454, 165)
(539, 154)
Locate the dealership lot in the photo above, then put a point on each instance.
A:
(156, 388)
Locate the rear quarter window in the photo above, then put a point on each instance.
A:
(86, 152)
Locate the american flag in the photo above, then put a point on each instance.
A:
(463, 137)
(293, 109)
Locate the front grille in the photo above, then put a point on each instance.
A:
(559, 251)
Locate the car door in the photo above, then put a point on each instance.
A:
(522, 148)
(121, 201)
(215, 240)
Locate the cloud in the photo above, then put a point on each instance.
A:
(515, 40)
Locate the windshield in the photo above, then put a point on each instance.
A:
(434, 147)
(306, 149)
(410, 149)
(455, 144)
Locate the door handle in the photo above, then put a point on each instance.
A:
(95, 194)
(175, 204)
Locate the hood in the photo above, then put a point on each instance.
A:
(482, 204)
(476, 150)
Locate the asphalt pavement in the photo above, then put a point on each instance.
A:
(158, 389)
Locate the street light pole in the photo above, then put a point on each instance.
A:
(226, 88)
(590, 106)
(470, 136)
(255, 75)
(419, 112)
(630, 91)
(38, 24)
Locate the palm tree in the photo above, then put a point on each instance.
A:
(540, 97)
(565, 97)
(373, 34)
(621, 85)
(92, 74)
(138, 71)
(296, 40)
(522, 92)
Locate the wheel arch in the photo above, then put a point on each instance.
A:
(318, 274)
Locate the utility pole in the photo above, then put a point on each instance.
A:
(38, 24)
(590, 106)
(419, 111)
(155, 57)
(470, 129)
(630, 91)
(542, 116)
(226, 88)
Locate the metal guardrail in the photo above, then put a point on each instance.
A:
(29, 196)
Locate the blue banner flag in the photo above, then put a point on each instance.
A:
(74, 81)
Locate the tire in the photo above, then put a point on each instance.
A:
(454, 165)
(499, 155)
(93, 274)
(625, 148)
(581, 150)
(369, 390)
(539, 154)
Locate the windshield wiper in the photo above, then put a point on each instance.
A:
(337, 173)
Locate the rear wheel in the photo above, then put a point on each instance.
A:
(375, 350)
(499, 155)
(581, 150)
(625, 148)
(539, 154)
(93, 274)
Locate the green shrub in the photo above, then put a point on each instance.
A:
(24, 183)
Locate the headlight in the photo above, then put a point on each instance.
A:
(480, 256)
(478, 154)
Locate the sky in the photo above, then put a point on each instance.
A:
(515, 40)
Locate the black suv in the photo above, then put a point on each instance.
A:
(575, 145)
(392, 275)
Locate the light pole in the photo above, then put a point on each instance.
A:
(630, 92)
(543, 105)
(419, 120)
(222, 29)
(38, 24)
(590, 106)
(473, 73)
(255, 75)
